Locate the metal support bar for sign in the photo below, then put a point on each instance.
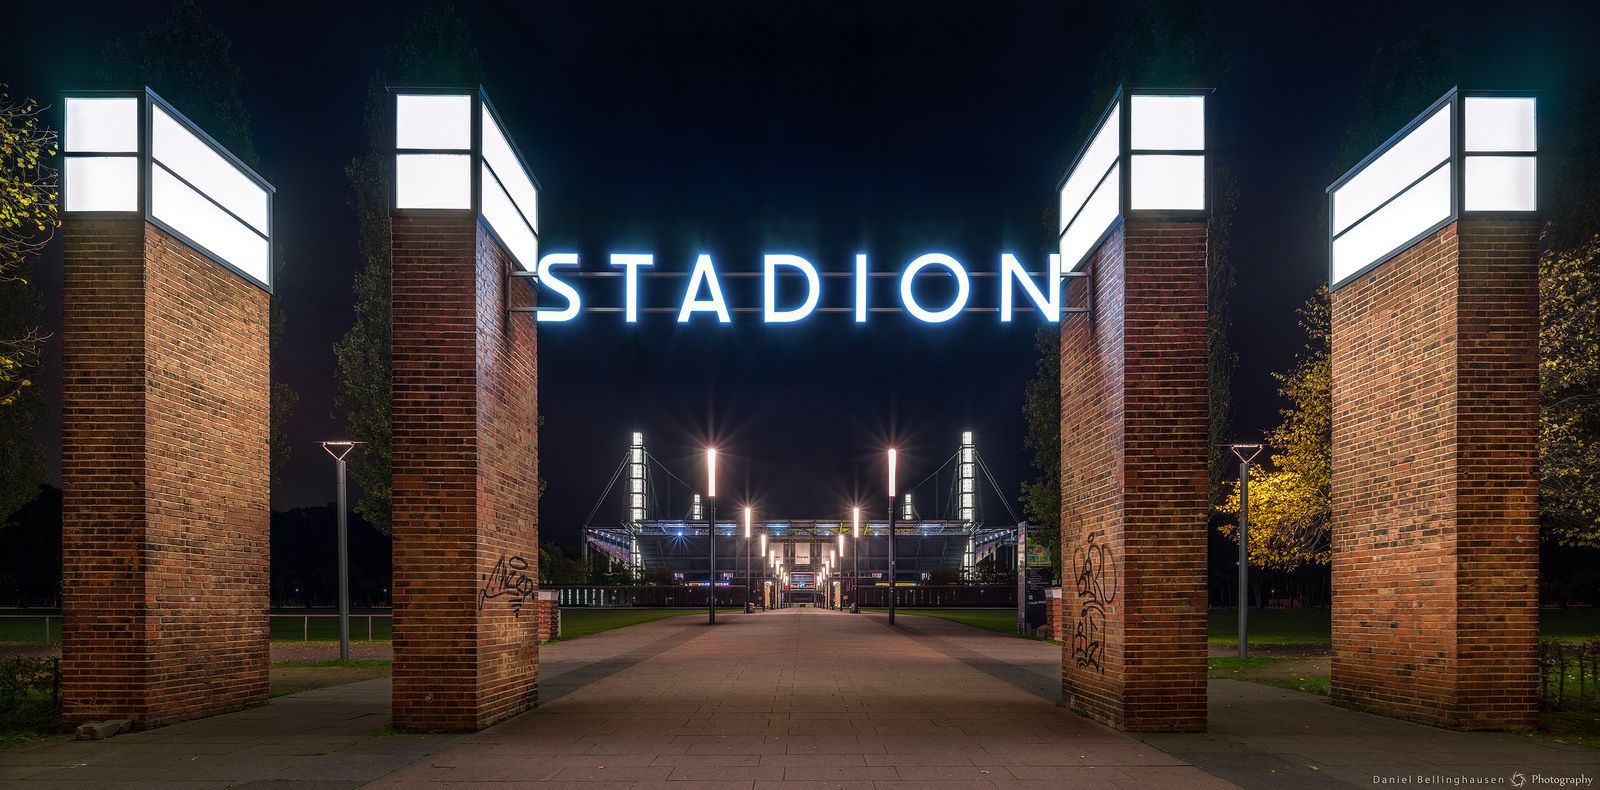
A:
(511, 278)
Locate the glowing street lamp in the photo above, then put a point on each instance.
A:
(855, 562)
(747, 556)
(892, 461)
(711, 534)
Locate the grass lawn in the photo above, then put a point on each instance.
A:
(1272, 627)
(1315, 626)
(288, 628)
(34, 719)
(1308, 674)
(293, 677)
(1576, 727)
(577, 623)
(27, 630)
(1570, 625)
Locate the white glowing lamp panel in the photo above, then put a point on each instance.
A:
(108, 180)
(510, 200)
(435, 157)
(1396, 197)
(1167, 162)
(195, 191)
(1498, 154)
(1091, 197)
(433, 137)
(1157, 153)
(1408, 191)
(203, 197)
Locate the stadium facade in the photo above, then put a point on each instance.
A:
(815, 560)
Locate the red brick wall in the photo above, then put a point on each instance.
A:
(465, 478)
(549, 616)
(165, 471)
(1435, 480)
(1133, 460)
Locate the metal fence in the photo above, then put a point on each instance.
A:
(325, 627)
(1569, 675)
(579, 596)
(28, 629)
(45, 628)
(954, 596)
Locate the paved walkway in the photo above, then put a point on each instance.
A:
(799, 698)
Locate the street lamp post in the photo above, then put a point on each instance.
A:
(747, 557)
(711, 534)
(1245, 453)
(338, 450)
(763, 556)
(892, 460)
(841, 567)
(855, 557)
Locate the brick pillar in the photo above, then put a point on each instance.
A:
(1133, 481)
(165, 469)
(465, 479)
(549, 615)
(1435, 480)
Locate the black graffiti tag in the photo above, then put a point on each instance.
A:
(510, 580)
(1097, 589)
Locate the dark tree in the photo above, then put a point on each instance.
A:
(30, 566)
(189, 62)
(435, 48)
(1174, 44)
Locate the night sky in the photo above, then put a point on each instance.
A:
(743, 128)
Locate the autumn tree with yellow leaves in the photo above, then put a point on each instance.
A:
(28, 218)
(1290, 513)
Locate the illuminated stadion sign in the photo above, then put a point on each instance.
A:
(1147, 156)
(1471, 153)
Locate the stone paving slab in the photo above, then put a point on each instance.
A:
(790, 699)
(812, 699)
(1261, 736)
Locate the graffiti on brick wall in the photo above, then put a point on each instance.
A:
(510, 581)
(1096, 583)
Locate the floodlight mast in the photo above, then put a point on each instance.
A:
(1245, 453)
(338, 449)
